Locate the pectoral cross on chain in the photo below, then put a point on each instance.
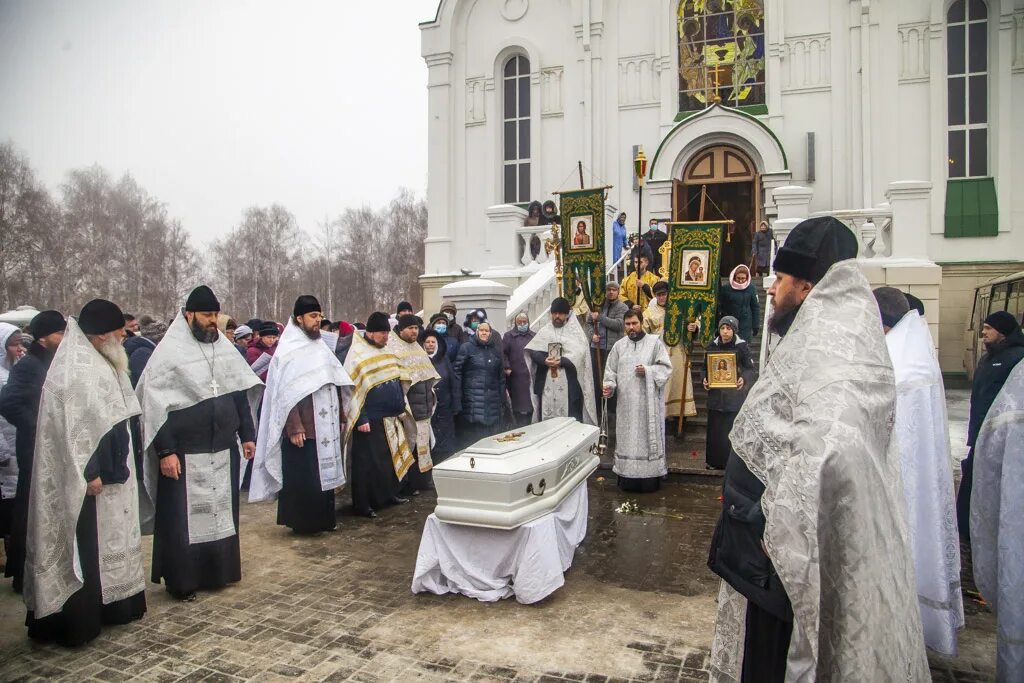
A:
(214, 387)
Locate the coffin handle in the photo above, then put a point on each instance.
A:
(540, 489)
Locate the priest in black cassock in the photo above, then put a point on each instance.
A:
(196, 394)
(299, 450)
(380, 419)
(83, 566)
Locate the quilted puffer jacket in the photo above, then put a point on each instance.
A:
(480, 381)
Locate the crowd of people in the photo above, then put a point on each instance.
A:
(839, 533)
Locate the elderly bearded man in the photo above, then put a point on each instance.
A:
(196, 395)
(559, 360)
(812, 544)
(299, 450)
(84, 567)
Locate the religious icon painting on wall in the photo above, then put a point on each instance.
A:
(721, 370)
(582, 233)
(695, 268)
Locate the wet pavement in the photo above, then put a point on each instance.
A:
(638, 604)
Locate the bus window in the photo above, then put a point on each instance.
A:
(1015, 301)
(999, 294)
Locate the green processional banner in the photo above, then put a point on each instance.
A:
(693, 278)
(583, 263)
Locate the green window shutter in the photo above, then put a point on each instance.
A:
(971, 209)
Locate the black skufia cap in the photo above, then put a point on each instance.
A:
(100, 316)
(202, 299)
(814, 246)
(47, 322)
(306, 304)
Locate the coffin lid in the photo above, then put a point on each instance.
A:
(521, 448)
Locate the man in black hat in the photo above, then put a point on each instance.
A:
(379, 419)
(299, 453)
(812, 542)
(420, 395)
(558, 358)
(19, 405)
(83, 564)
(1004, 348)
(195, 395)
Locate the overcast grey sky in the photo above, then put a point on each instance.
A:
(215, 105)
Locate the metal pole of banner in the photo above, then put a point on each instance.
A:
(681, 424)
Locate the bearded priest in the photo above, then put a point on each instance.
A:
(299, 449)
(196, 395)
(637, 370)
(558, 358)
(83, 566)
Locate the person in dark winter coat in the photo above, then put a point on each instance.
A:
(140, 347)
(450, 310)
(761, 248)
(443, 419)
(480, 385)
(19, 405)
(724, 404)
(452, 334)
(739, 300)
(517, 375)
(549, 214)
(1004, 348)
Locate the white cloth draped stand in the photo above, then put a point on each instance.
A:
(492, 564)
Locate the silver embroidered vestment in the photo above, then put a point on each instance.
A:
(815, 429)
(640, 405)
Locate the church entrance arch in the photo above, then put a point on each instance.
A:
(733, 189)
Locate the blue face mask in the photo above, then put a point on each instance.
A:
(440, 329)
(523, 328)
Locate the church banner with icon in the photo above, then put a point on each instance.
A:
(583, 258)
(693, 278)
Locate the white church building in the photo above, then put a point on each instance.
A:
(901, 118)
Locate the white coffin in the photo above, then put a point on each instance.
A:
(512, 478)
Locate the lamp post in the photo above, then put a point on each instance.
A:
(640, 171)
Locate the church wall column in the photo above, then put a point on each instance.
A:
(938, 164)
(866, 129)
(1000, 94)
(440, 134)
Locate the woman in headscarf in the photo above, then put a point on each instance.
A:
(534, 216)
(724, 404)
(442, 422)
(480, 385)
(739, 300)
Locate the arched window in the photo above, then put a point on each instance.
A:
(516, 130)
(721, 53)
(967, 88)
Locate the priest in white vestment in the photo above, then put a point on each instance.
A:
(83, 566)
(637, 370)
(922, 436)
(997, 521)
(299, 449)
(558, 358)
(654, 324)
(812, 543)
(197, 394)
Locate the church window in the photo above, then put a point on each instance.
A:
(516, 130)
(967, 88)
(971, 207)
(721, 53)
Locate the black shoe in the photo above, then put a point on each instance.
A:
(184, 597)
(370, 512)
(416, 492)
(396, 500)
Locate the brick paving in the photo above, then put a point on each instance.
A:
(638, 605)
